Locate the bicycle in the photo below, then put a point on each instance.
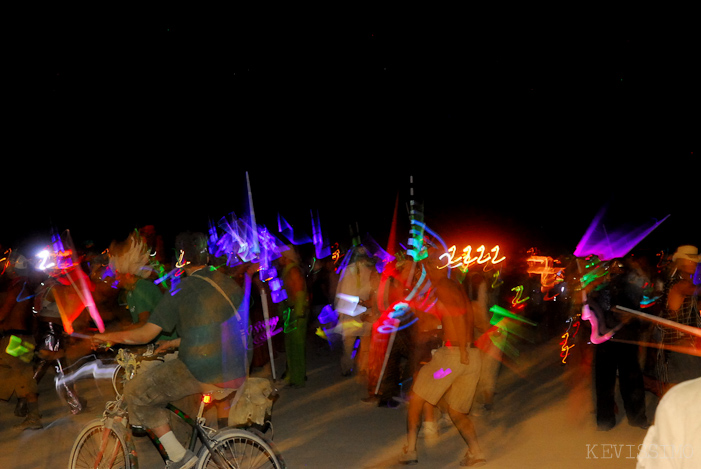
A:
(108, 442)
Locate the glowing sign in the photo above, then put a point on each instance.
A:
(466, 259)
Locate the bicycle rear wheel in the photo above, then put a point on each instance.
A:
(100, 447)
(242, 449)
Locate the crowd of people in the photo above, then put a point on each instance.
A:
(405, 325)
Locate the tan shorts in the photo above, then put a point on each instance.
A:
(445, 376)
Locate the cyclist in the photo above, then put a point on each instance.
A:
(212, 349)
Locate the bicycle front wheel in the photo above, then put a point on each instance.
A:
(241, 449)
(100, 447)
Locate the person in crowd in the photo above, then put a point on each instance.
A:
(478, 292)
(203, 313)
(295, 315)
(674, 440)
(129, 260)
(53, 346)
(16, 369)
(394, 333)
(452, 374)
(429, 337)
(358, 281)
(618, 357)
(680, 303)
(321, 284)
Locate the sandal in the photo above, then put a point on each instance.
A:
(471, 461)
(408, 457)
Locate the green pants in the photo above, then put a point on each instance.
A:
(296, 350)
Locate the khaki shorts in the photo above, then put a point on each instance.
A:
(445, 376)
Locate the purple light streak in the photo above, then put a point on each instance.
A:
(610, 244)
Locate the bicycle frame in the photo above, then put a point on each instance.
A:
(198, 431)
(197, 425)
(115, 412)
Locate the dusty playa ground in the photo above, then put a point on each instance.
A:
(542, 418)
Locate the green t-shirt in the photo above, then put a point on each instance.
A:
(212, 346)
(145, 297)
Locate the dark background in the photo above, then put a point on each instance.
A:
(516, 127)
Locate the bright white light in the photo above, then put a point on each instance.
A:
(44, 255)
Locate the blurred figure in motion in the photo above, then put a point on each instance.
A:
(129, 260)
(452, 374)
(478, 292)
(623, 286)
(680, 303)
(295, 314)
(674, 439)
(212, 346)
(53, 344)
(16, 368)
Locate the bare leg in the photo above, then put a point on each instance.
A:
(467, 431)
(428, 412)
(413, 420)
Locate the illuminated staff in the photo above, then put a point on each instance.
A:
(690, 330)
(265, 262)
(417, 250)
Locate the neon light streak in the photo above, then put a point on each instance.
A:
(286, 230)
(498, 311)
(564, 346)
(465, 260)
(517, 299)
(20, 349)
(609, 244)
(565, 349)
(441, 373)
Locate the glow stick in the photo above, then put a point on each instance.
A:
(254, 227)
(87, 299)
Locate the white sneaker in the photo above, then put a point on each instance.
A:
(188, 461)
(429, 430)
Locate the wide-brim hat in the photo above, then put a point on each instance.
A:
(687, 252)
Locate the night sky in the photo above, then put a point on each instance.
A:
(516, 130)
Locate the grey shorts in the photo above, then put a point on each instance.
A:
(148, 393)
(445, 376)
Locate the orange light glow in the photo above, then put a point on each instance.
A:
(206, 398)
(549, 274)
